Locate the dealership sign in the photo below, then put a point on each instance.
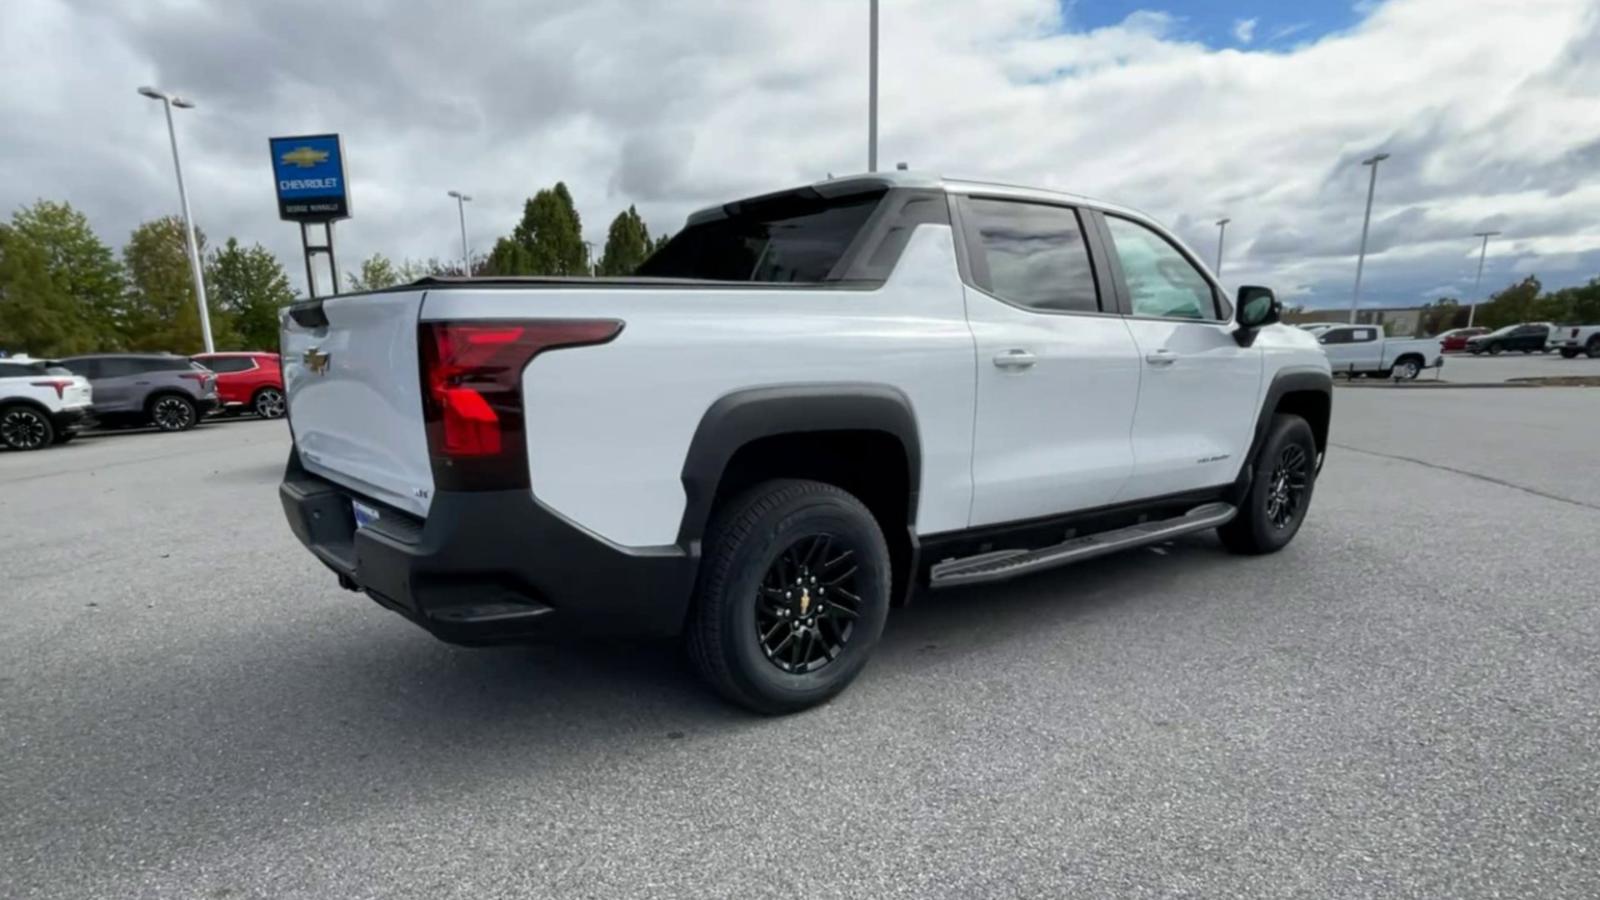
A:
(309, 172)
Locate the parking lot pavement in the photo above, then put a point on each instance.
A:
(1464, 367)
(1400, 704)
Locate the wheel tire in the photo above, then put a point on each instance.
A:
(757, 537)
(1496, 349)
(25, 428)
(1593, 348)
(170, 412)
(1570, 353)
(268, 403)
(1407, 370)
(1254, 530)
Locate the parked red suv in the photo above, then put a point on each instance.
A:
(249, 381)
(1456, 338)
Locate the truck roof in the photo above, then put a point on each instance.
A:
(901, 178)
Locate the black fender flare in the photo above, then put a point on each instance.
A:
(1288, 380)
(738, 418)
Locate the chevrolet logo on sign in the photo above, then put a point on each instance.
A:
(304, 157)
(316, 361)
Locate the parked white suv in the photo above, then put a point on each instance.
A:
(40, 403)
(805, 408)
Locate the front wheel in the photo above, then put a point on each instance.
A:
(171, 412)
(793, 593)
(1592, 349)
(1496, 349)
(25, 428)
(1570, 353)
(1280, 490)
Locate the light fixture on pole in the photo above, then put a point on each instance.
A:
(167, 103)
(1222, 229)
(461, 211)
(872, 89)
(1361, 256)
(1478, 282)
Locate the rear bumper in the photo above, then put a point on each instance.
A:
(71, 420)
(490, 567)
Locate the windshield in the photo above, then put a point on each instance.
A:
(793, 237)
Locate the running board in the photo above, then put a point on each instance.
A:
(1003, 564)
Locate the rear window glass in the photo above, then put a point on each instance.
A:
(797, 237)
(19, 370)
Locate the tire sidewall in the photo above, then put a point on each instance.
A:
(775, 532)
(1287, 430)
(194, 412)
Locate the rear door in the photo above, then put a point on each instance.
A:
(1058, 373)
(1199, 389)
(350, 372)
(113, 380)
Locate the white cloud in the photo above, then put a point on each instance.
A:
(1244, 30)
(631, 102)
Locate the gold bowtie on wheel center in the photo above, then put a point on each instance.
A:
(807, 604)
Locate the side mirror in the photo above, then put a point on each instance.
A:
(1257, 308)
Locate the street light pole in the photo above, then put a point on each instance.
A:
(461, 210)
(1222, 229)
(1472, 310)
(1361, 256)
(167, 103)
(872, 90)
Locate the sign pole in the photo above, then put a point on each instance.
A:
(305, 247)
(333, 264)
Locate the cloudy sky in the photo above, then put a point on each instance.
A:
(1252, 109)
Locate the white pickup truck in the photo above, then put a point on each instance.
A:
(807, 407)
(1366, 350)
(1572, 340)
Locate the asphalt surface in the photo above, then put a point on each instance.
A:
(1400, 704)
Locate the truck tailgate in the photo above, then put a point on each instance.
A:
(350, 371)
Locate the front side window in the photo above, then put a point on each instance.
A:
(1336, 336)
(1033, 255)
(1161, 282)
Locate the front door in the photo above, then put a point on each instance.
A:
(1058, 375)
(1353, 348)
(1199, 391)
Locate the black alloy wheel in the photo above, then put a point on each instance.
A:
(1286, 489)
(173, 413)
(23, 428)
(808, 604)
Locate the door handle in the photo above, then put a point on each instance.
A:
(1161, 358)
(1017, 359)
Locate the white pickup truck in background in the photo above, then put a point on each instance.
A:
(1366, 350)
(1572, 340)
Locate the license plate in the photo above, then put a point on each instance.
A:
(365, 515)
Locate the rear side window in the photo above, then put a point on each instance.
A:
(221, 364)
(1033, 255)
(18, 370)
(797, 237)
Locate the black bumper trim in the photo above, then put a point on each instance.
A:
(490, 567)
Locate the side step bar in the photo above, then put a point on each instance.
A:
(1003, 564)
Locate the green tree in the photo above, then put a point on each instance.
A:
(548, 240)
(60, 286)
(1516, 303)
(627, 245)
(377, 273)
(250, 286)
(161, 311)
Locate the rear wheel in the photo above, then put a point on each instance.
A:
(1280, 491)
(793, 594)
(269, 403)
(1569, 353)
(25, 428)
(170, 412)
(1408, 369)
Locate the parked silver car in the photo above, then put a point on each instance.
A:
(170, 392)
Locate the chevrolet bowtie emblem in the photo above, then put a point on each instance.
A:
(304, 157)
(316, 361)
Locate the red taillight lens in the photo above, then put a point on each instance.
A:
(472, 393)
(60, 384)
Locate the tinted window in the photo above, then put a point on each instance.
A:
(1336, 336)
(798, 237)
(148, 365)
(1161, 281)
(220, 364)
(1033, 255)
(18, 370)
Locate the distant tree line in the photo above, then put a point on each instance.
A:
(63, 291)
(548, 240)
(1524, 301)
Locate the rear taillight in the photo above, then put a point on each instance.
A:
(60, 384)
(472, 394)
(206, 379)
